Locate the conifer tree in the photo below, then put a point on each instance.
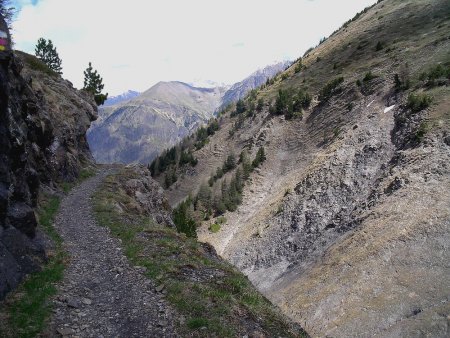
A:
(93, 83)
(48, 54)
(239, 180)
(246, 165)
(260, 105)
(204, 196)
(230, 163)
(259, 158)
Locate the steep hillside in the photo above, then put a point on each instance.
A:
(241, 89)
(43, 144)
(345, 225)
(138, 129)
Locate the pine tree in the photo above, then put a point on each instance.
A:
(240, 107)
(93, 83)
(233, 195)
(230, 163)
(48, 54)
(204, 196)
(259, 158)
(239, 180)
(219, 206)
(183, 219)
(219, 173)
(260, 105)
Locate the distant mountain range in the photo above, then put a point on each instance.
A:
(128, 95)
(135, 127)
(240, 89)
(138, 129)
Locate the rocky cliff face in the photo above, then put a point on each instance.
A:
(43, 121)
(346, 225)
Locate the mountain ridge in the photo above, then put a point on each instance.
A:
(167, 112)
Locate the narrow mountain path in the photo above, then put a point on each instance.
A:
(102, 295)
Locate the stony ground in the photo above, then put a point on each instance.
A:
(102, 295)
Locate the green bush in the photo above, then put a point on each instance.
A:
(336, 131)
(330, 89)
(437, 75)
(369, 76)
(298, 66)
(215, 227)
(282, 106)
(240, 108)
(302, 100)
(260, 105)
(36, 64)
(421, 132)
(379, 46)
(221, 220)
(170, 177)
(418, 102)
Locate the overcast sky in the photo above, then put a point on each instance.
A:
(136, 43)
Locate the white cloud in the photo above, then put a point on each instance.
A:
(136, 43)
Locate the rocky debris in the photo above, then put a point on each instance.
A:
(149, 196)
(101, 293)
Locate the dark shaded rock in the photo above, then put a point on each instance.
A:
(21, 216)
(10, 274)
(43, 123)
(447, 140)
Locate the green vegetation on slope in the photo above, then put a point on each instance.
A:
(215, 299)
(36, 64)
(218, 197)
(181, 155)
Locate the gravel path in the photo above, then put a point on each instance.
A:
(101, 294)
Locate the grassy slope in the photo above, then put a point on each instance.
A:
(215, 299)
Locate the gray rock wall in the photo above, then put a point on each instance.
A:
(35, 149)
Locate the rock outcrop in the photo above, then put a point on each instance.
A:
(148, 195)
(43, 121)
